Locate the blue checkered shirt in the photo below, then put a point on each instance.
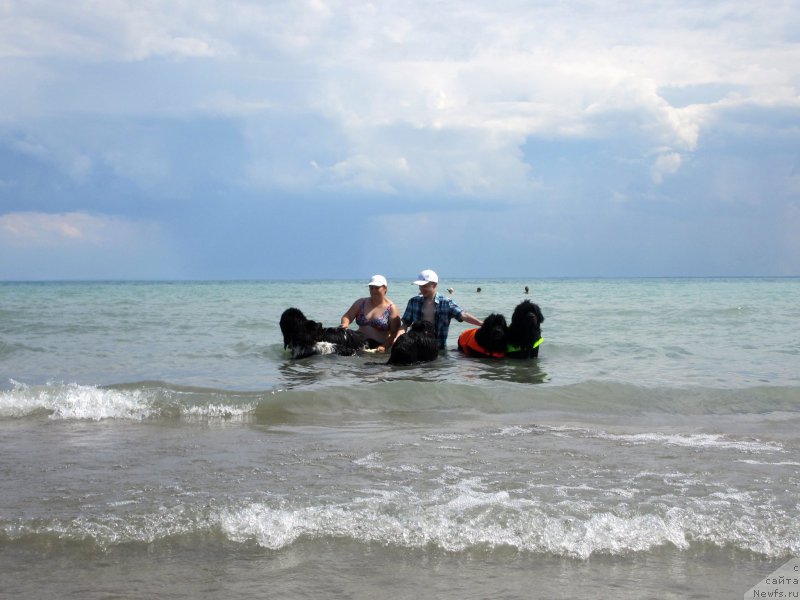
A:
(445, 310)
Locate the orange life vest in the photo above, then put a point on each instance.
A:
(469, 345)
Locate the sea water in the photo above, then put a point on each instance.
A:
(157, 441)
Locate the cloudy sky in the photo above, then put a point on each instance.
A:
(226, 139)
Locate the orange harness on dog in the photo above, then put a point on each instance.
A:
(469, 345)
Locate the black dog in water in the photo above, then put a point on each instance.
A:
(489, 340)
(525, 332)
(416, 345)
(304, 337)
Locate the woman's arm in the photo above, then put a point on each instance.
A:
(351, 313)
(394, 326)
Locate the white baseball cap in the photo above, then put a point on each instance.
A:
(378, 281)
(427, 276)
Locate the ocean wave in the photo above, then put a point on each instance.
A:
(704, 441)
(103, 533)
(154, 400)
(699, 441)
(9, 349)
(588, 398)
(72, 401)
(470, 520)
(94, 403)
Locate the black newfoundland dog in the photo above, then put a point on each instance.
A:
(525, 332)
(304, 337)
(489, 340)
(416, 345)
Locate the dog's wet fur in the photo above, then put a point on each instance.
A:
(492, 334)
(418, 344)
(495, 336)
(525, 330)
(304, 337)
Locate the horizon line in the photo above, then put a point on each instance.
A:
(391, 278)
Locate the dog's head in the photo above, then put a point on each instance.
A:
(492, 334)
(526, 322)
(523, 312)
(297, 330)
(291, 315)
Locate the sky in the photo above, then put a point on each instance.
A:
(315, 139)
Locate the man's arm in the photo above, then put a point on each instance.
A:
(408, 315)
(472, 320)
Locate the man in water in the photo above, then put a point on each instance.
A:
(433, 307)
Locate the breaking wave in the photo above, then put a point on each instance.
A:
(154, 400)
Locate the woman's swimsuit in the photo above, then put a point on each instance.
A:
(380, 323)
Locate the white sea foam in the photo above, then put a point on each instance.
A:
(447, 437)
(517, 430)
(371, 460)
(85, 402)
(467, 515)
(695, 440)
(493, 520)
(270, 528)
(788, 463)
(73, 401)
(219, 411)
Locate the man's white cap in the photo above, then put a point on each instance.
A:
(427, 276)
(378, 281)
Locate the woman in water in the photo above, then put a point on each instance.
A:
(377, 317)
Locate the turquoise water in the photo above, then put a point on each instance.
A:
(720, 332)
(161, 443)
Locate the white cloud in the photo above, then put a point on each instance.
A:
(78, 245)
(58, 230)
(492, 76)
(558, 106)
(91, 30)
(666, 164)
(566, 78)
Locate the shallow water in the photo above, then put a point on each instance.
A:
(158, 441)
